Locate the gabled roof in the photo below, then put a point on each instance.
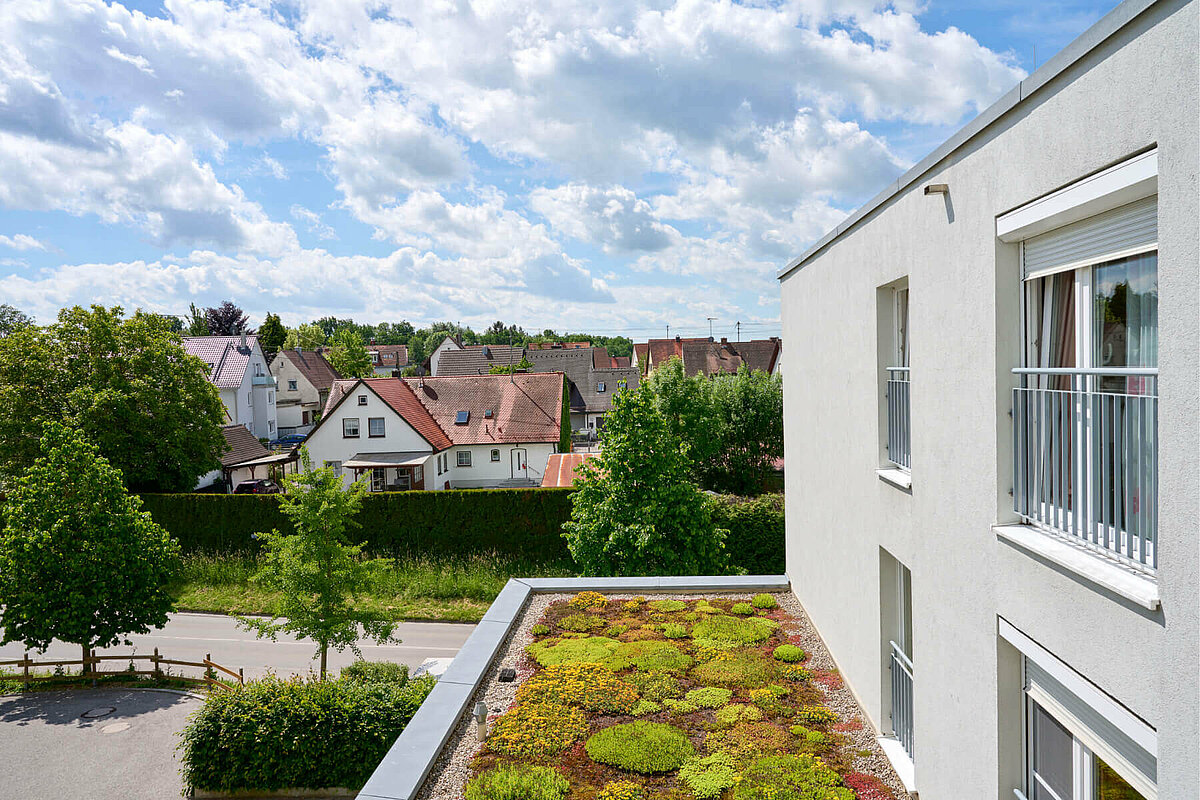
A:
(313, 365)
(477, 359)
(240, 445)
(226, 360)
(390, 355)
(400, 398)
(561, 467)
(526, 407)
(702, 356)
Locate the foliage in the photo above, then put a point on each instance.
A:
(656, 685)
(348, 355)
(737, 712)
(795, 672)
(271, 335)
(764, 601)
(589, 686)
(587, 600)
(789, 654)
(196, 323)
(590, 649)
(79, 560)
(376, 672)
(769, 699)
(645, 747)
(802, 777)
(867, 787)
(634, 510)
(816, 715)
(275, 734)
(709, 776)
(734, 630)
(510, 782)
(809, 737)
(749, 739)
(226, 319)
(709, 696)
(644, 707)
(524, 365)
(12, 318)
(540, 630)
(317, 571)
(667, 605)
(674, 630)
(305, 337)
(741, 668)
(680, 706)
(741, 609)
(580, 623)
(649, 656)
(536, 730)
(125, 383)
(620, 790)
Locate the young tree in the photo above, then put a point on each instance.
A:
(12, 318)
(271, 335)
(79, 561)
(636, 511)
(196, 323)
(348, 355)
(226, 320)
(687, 406)
(317, 572)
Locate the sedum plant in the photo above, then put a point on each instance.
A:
(536, 730)
(785, 777)
(645, 747)
(709, 776)
(513, 782)
(592, 649)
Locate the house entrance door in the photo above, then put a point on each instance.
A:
(520, 463)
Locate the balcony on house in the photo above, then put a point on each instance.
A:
(902, 698)
(897, 417)
(264, 380)
(1085, 458)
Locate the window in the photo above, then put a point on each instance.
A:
(462, 417)
(375, 427)
(378, 479)
(403, 481)
(374, 358)
(600, 386)
(495, 455)
(622, 384)
(250, 398)
(464, 458)
(336, 466)
(270, 398)
(362, 399)
(418, 474)
(270, 426)
(896, 392)
(258, 370)
(1063, 767)
(350, 428)
(291, 386)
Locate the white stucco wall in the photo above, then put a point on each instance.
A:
(436, 356)
(291, 405)
(964, 322)
(484, 472)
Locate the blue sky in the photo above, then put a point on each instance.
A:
(612, 166)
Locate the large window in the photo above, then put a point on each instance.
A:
(350, 428)
(1063, 767)
(894, 350)
(375, 427)
(378, 479)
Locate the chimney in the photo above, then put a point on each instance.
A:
(243, 333)
(724, 340)
(677, 337)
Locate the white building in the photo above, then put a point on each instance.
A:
(304, 379)
(448, 343)
(238, 369)
(1001, 550)
(483, 431)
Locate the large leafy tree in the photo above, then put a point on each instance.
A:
(79, 561)
(348, 355)
(271, 335)
(125, 382)
(196, 322)
(316, 570)
(636, 511)
(306, 336)
(12, 318)
(226, 319)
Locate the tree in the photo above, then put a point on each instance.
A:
(196, 323)
(271, 335)
(12, 318)
(687, 406)
(348, 355)
(524, 365)
(635, 511)
(127, 384)
(226, 319)
(79, 561)
(306, 336)
(748, 411)
(316, 571)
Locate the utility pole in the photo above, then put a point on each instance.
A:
(739, 330)
(668, 330)
(710, 322)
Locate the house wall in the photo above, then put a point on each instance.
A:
(291, 405)
(843, 521)
(436, 356)
(484, 472)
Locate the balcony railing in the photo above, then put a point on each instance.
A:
(1085, 457)
(897, 405)
(902, 698)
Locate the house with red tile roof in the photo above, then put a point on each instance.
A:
(238, 368)
(449, 432)
(305, 378)
(705, 356)
(388, 359)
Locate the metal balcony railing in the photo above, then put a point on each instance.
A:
(897, 405)
(1085, 457)
(902, 698)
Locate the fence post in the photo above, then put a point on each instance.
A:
(241, 677)
(25, 683)
(154, 659)
(93, 662)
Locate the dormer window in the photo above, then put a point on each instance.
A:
(462, 417)
(362, 399)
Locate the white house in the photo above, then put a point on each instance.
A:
(238, 369)
(483, 431)
(993, 522)
(448, 343)
(304, 379)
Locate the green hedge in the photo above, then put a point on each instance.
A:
(296, 734)
(756, 532)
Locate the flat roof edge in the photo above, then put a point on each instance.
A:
(1085, 43)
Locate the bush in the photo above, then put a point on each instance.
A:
(517, 783)
(709, 696)
(744, 668)
(536, 730)
(803, 777)
(589, 686)
(620, 790)
(592, 649)
(667, 605)
(645, 747)
(303, 734)
(709, 776)
(742, 609)
(540, 630)
(649, 656)
(735, 631)
(656, 685)
(789, 654)
(764, 601)
(756, 531)
(376, 672)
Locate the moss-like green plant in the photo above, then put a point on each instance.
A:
(809, 739)
(620, 790)
(593, 649)
(680, 706)
(644, 707)
(673, 630)
(649, 656)
(789, 654)
(540, 629)
(709, 776)
(738, 668)
(690, 616)
(737, 712)
(640, 634)
(613, 631)
(586, 600)
(580, 623)
(816, 715)
(645, 747)
(764, 601)
(656, 685)
(749, 739)
(741, 609)
(590, 686)
(768, 699)
(802, 777)
(751, 630)
(705, 607)
(513, 782)
(667, 605)
(709, 696)
(536, 730)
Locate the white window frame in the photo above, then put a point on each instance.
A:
(336, 466)
(345, 428)
(463, 462)
(378, 479)
(495, 454)
(292, 386)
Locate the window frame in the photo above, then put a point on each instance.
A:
(382, 428)
(292, 386)
(461, 462)
(336, 466)
(362, 399)
(496, 455)
(357, 428)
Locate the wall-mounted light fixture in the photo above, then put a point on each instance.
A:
(937, 188)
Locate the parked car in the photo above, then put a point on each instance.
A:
(260, 486)
(291, 440)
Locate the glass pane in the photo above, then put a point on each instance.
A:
(902, 328)
(1125, 328)
(1052, 748)
(1111, 786)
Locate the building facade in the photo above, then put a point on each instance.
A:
(238, 368)
(993, 522)
(304, 379)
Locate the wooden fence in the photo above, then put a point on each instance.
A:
(156, 661)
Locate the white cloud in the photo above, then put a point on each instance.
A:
(21, 241)
(613, 217)
(270, 166)
(312, 221)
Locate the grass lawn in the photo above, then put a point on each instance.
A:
(442, 589)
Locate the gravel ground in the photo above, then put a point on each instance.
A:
(453, 767)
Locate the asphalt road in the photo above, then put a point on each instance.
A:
(188, 637)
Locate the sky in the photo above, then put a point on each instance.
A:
(615, 167)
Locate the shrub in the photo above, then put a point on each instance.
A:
(733, 630)
(802, 777)
(593, 649)
(305, 734)
(656, 685)
(645, 747)
(764, 601)
(522, 782)
(737, 712)
(580, 623)
(586, 600)
(748, 739)
(536, 730)
(376, 672)
(589, 686)
(741, 609)
(619, 790)
(815, 715)
(709, 776)
(756, 532)
(649, 656)
(540, 629)
(673, 630)
(644, 707)
(742, 668)
(667, 605)
(709, 696)
(789, 653)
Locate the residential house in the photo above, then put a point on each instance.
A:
(432, 363)
(706, 356)
(388, 359)
(246, 459)
(992, 523)
(480, 431)
(305, 378)
(238, 368)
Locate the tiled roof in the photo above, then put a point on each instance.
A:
(390, 355)
(226, 362)
(559, 345)
(526, 407)
(313, 366)
(560, 469)
(701, 356)
(400, 397)
(241, 445)
(620, 362)
(477, 359)
(640, 351)
(586, 371)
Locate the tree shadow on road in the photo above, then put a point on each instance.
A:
(67, 707)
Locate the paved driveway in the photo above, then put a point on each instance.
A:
(49, 750)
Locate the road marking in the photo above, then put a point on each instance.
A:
(361, 645)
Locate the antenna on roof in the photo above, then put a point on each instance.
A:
(668, 330)
(510, 364)
(710, 322)
(739, 330)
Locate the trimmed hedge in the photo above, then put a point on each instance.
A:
(756, 531)
(296, 734)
